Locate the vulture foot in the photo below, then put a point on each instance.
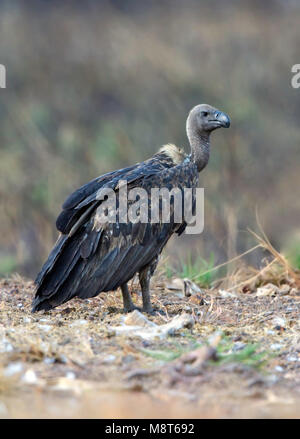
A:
(127, 301)
(153, 312)
(128, 309)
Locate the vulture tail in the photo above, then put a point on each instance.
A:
(56, 281)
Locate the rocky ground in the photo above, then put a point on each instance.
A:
(213, 353)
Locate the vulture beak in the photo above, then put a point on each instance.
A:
(223, 119)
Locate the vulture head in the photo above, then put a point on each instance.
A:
(203, 119)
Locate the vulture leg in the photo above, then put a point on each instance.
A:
(144, 277)
(127, 301)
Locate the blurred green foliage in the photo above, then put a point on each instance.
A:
(293, 254)
(195, 268)
(251, 355)
(95, 86)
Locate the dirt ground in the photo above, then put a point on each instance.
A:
(72, 363)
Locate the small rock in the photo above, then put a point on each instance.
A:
(45, 328)
(278, 369)
(29, 377)
(284, 289)
(276, 346)
(109, 359)
(13, 369)
(128, 359)
(190, 288)
(62, 359)
(257, 381)
(279, 322)
(272, 379)
(267, 290)
(297, 347)
(49, 360)
(70, 375)
(140, 373)
(238, 346)
(237, 338)
(225, 294)
(7, 347)
(136, 318)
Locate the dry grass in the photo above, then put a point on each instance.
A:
(276, 269)
(73, 366)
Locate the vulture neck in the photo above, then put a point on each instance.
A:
(199, 143)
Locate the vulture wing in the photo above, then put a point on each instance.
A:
(89, 256)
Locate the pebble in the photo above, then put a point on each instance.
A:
(276, 346)
(12, 369)
(45, 328)
(128, 359)
(278, 369)
(29, 377)
(272, 379)
(224, 294)
(238, 346)
(79, 322)
(109, 359)
(279, 322)
(7, 346)
(70, 375)
(63, 359)
(49, 360)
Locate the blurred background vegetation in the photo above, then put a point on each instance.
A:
(97, 85)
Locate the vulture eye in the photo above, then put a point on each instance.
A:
(204, 113)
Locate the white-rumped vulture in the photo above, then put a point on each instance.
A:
(91, 256)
